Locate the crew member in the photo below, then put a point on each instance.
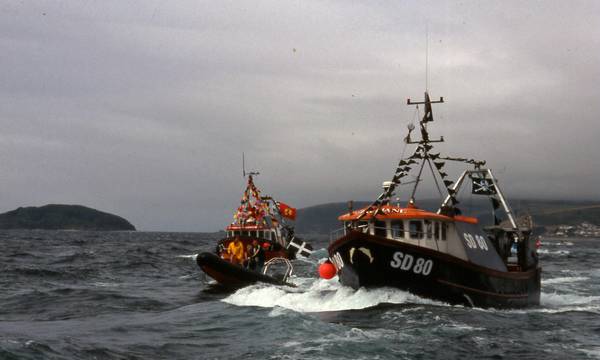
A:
(257, 256)
(236, 251)
(248, 257)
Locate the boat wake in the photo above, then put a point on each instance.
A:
(192, 256)
(318, 295)
(314, 295)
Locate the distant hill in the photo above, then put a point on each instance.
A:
(62, 217)
(322, 219)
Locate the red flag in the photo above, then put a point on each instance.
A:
(287, 211)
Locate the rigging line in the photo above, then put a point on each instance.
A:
(412, 196)
(427, 57)
(417, 115)
(385, 193)
(435, 178)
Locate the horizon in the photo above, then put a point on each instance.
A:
(144, 110)
(482, 199)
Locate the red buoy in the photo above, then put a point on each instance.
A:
(327, 270)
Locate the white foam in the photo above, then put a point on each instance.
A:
(593, 353)
(352, 335)
(105, 284)
(462, 327)
(192, 256)
(560, 300)
(557, 252)
(563, 280)
(565, 243)
(564, 309)
(318, 295)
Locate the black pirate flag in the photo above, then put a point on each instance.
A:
(483, 186)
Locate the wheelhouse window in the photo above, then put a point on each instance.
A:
(429, 229)
(444, 227)
(415, 228)
(361, 225)
(380, 228)
(397, 229)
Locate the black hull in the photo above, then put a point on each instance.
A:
(230, 275)
(430, 273)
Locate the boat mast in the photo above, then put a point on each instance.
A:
(425, 141)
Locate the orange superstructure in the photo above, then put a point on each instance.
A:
(391, 212)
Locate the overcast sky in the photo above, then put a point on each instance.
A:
(143, 108)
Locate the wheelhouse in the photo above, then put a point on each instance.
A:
(410, 225)
(256, 232)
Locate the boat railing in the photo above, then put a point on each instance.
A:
(407, 234)
(277, 261)
(336, 234)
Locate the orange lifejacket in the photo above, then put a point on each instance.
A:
(236, 248)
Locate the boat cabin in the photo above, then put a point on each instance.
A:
(255, 232)
(417, 227)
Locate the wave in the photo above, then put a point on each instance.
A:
(564, 280)
(557, 252)
(318, 295)
(561, 300)
(592, 353)
(192, 256)
(561, 243)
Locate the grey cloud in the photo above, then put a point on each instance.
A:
(143, 108)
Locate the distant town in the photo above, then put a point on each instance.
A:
(585, 229)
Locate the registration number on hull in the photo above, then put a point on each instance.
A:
(407, 262)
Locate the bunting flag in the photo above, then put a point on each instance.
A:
(448, 183)
(252, 209)
(477, 163)
(401, 171)
(495, 206)
(483, 186)
(495, 203)
(287, 211)
(439, 165)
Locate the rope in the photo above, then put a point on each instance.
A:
(435, 178)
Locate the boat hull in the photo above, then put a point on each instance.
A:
(230, 275)
(372, 261)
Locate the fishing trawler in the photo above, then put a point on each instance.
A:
(259, 243)
(442, 255)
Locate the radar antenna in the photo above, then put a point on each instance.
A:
(249, 173)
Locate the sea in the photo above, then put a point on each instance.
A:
(140, 295)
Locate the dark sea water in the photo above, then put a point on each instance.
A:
(93, 295)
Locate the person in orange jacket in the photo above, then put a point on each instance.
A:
(235, 249)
